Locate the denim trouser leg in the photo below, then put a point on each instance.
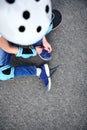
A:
(39, 43)
(4, 58)
(19, 71)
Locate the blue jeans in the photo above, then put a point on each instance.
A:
(19, 71)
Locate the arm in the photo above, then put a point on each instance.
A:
(4, 45)
(18, 51)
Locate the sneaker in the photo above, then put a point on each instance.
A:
(45, 55)
(45, 76)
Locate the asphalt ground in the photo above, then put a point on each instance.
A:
(24, 103)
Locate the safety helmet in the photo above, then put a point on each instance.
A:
(24, 22)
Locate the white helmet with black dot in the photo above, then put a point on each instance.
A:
(24, 22)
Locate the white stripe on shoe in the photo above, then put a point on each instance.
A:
(48, 75)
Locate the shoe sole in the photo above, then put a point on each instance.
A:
(45, 59)
(48, 75)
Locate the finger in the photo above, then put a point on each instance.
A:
(49, 50)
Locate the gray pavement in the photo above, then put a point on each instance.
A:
(24, 103)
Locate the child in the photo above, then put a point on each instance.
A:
(8, 72)
(11, 39)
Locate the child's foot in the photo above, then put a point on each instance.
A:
(45, 76)
(45, 55)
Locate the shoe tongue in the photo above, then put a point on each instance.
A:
(44, 51)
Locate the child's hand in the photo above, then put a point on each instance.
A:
(46, 45)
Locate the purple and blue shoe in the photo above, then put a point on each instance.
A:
(45, 76)
(45, 55)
